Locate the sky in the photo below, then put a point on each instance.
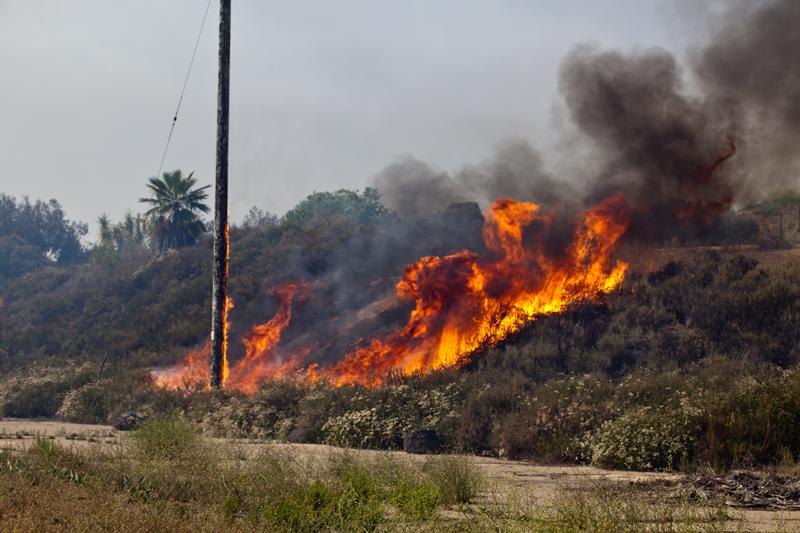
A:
(324, 94)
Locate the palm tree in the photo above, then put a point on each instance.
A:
(174, 209)
(106, 232)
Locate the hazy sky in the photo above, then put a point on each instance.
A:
(324, 93)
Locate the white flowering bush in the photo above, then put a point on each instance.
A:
(364, 429)
(401, 409)
(551, 414)
(239, 417)
(644, 438)
(85, 404)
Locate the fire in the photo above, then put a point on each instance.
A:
(226, 326)
(259, 363)
(462, 302)
(193, 371)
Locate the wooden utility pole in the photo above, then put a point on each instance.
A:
(219, 291)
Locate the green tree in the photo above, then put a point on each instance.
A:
(35, 234)
(43, 225)
(123, 237)
(106, 233)
(258, 218)
(130, 233)
(174, 209)
(360, 208)
(18, 257)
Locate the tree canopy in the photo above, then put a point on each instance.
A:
(175, 205)
(36, 234)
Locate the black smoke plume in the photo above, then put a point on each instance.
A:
(683, 145)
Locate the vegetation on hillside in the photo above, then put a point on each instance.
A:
(695, 362)
(34, 235)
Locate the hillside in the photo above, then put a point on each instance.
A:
(694, 333)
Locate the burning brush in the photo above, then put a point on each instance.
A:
(462, 302)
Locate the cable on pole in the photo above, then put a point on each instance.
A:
(183, 90)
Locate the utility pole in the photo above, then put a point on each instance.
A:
(219, 291)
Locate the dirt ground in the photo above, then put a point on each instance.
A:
(504, 476)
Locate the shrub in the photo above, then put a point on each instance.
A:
(270, 413)
(38, 400)
(87, 404)
(756, 421)
(366, 428)
(645, 438)
(392, 412)
(165, 438)
(35, 400)
(552, 415)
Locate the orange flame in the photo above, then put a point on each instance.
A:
(260, 342)
(193, 371)
(462, 302)
(258, 365)
(190, 374)
(226, 326)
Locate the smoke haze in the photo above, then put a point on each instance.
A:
(681, 154)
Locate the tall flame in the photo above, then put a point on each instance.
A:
(193, 371)
(259, 363)
(462, 302)
(228, 306)
(226, 326)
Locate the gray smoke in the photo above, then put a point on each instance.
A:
(659, 140)
(662, 145)
(751, 75)
(654, 139)
(516, 170)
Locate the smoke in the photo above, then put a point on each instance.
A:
(654, 143)
(682, 144)
(671, 148)
(413, 188)
(749, 73)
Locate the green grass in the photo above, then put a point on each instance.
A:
(457, 480)
(266, 490)
(165, 438)
(229, 487)
(613, 508)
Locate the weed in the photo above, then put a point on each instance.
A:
(165, 438)
(458, 480)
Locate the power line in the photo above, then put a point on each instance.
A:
(183, 90)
